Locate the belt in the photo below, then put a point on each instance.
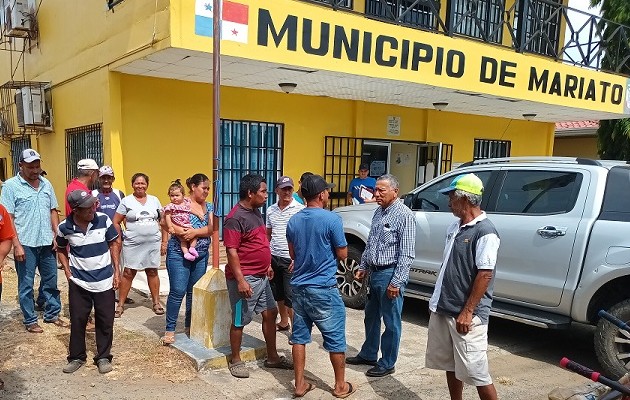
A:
(382, 268)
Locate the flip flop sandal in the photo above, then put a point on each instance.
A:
(238, 369)
(281, 328)
(309, 387)
(351, 389)
(282, 364)
(119, 311)
(168, 338)
(158, 309)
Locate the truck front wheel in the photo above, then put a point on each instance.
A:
(612, 344)
(353, 292)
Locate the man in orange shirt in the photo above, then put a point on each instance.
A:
(6, 238)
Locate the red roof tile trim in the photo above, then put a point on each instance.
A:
(570, 125)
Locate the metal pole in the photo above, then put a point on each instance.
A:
(216, 123)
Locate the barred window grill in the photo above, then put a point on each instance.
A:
(404, 11)
(541, 28)
(83, 142)
(336, 3)
(248, 147)
(488, 148)
(18, 145)
(481, 19)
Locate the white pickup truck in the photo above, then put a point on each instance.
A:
(565, 244)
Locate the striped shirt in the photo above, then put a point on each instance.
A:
(277, 221)
(31, 209)
(90, 259)
(392, 241)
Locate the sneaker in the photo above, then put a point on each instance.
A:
(72, 366)
(104, 365)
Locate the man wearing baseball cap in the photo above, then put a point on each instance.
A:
(461, 301)
(278, 216)
(93, 271)
(316, 240)
(30, 199)
(87, 174)
(108, 197)
(361, 189)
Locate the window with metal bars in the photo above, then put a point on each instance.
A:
(336, 3)
(248, 147)
(411, 12)
(489, 148)
(83, 142)
(540, 31)
(478, 18)
(18, 145)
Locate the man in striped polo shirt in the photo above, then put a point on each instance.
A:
(278, 216)
(92, 269)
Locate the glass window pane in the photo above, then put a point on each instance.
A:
(538, 192)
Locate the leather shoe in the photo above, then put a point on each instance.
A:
(357, 360)
(379, 371)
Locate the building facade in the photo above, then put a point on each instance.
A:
(412, 88)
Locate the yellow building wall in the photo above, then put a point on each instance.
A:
(166, 127)
(529, 138)
(585, 147)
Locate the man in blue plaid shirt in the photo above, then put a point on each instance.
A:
(388, 255)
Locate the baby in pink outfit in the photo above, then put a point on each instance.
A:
(177, 212)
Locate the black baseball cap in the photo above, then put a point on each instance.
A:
(313, 185)
(364, 167)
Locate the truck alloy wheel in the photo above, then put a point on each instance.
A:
(612, 344)
(353, 292)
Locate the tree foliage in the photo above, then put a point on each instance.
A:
(613, 136)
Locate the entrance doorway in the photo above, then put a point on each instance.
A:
(413, 163)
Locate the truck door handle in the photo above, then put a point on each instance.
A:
(550, 232)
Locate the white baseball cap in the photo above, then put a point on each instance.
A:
(29, 155)
(87, 163)
(106, 170)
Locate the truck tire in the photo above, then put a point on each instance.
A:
(353, 292)
(612, 346)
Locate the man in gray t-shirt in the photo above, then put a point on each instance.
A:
(460, 305)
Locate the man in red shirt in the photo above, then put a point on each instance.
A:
(248, 272)
(7, 233)
(87, 175)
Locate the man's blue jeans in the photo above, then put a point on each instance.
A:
(42, 258)
(379, 305)
(182, 276)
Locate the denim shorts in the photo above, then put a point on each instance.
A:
(261, 299)
(324, 308)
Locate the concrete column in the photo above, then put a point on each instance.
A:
(211, 311)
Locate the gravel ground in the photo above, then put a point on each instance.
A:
(523, 361)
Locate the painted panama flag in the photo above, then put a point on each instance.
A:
(233, 21)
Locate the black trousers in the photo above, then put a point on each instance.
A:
(81, 302)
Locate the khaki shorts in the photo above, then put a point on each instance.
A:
(448, 350)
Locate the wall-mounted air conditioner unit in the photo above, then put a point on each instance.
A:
(17, 18)
(30, 106)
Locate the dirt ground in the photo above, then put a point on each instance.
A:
(523, 361)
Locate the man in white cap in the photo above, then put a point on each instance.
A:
(108, 201)
(87, 174)
(462, 298)
(31, 202)
(108, 197)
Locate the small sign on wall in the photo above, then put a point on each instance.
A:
(393, 126)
